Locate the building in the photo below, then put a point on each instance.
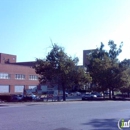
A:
(15, 77)
(86, 53)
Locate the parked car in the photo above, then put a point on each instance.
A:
(78, 94)
(32, 97)
(66, 94)
(20, 97)
(72, 94)
(97, 94)
(88, 96)
(61, 93)
(14, 98)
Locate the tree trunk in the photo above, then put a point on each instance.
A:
(103, 95)
(128, 94)
(123, 95)
(113, 94)
(109, 93)
(64, 97)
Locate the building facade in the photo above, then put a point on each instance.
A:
(86, 53)
(16, 77)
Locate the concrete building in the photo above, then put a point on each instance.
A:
(86, 53)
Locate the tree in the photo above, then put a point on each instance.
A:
(125, 64)
(61, 69)
(125, 76)
(114, 51)
(99, 63)
(114, 70)
(79, 77)
(104, 67)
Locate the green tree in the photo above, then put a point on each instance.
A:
(125, 76)
(79, 77)
(125, 64)
(104, 68)
(114, 70)
(61, 69)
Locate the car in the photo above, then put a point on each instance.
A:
(20, 97)
(61, 93)
(97, 94)
(14, 98)
(31, 97)
(66, 94)
(78, 94)
(72, 94)
(88, 96)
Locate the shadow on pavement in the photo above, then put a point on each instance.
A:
(107, 99)
(103, 124)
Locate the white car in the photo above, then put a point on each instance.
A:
(33, 96)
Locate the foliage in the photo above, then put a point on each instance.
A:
(104, 67)
(59, 68)
(125, 80)
(114, 51)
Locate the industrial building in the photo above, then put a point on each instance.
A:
(15, 77)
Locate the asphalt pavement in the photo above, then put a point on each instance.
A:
(76, 115)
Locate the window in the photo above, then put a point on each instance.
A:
(33, 77)
(20, 76)
(4, 76)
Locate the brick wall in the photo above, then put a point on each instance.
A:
(7, 58)
(17, 69)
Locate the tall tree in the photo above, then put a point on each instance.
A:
(79, 77)
(104, 67)
(125, 76)
(114, 51)
(60, 68)
(114, 70)
(99, 63)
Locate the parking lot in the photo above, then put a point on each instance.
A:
(77, 115)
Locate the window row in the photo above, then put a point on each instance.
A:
(17, 76)
(4, 76)
(33, 77)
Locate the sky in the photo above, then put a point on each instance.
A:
(29, 27)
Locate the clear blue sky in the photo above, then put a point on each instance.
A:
(26, 26)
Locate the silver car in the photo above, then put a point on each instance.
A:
(88, 96)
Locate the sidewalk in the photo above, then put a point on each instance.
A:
(36, 103)
(3, 104)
